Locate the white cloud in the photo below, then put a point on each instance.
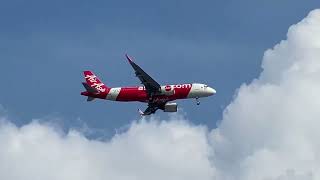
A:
(269, 132)
(271, 127)
(148, 150)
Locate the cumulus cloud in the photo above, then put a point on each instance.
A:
(171, 149)
(271, 129)
(268, 132)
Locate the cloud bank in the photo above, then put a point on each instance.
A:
(269, 132)
(271, 129)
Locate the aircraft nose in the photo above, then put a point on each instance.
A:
(211, 91)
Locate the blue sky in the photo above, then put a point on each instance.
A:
(45, 46)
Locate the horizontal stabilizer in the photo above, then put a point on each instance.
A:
(89, 88)
(90, 98)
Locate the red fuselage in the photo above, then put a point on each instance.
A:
(168, 93)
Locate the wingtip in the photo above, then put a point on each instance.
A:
(140, 112)
(128, 58)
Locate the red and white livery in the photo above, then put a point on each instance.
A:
(157, 96)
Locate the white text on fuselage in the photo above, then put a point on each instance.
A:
(177, 86)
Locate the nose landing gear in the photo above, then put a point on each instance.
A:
(198, 102)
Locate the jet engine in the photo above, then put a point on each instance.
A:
(170, 107)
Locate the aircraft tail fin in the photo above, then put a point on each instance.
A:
(93, 83)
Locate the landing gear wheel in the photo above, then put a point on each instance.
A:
(198, 102)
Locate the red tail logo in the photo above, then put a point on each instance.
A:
(93, 81)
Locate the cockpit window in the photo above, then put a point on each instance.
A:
(205, 86)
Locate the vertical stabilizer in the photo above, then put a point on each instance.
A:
(94, 82)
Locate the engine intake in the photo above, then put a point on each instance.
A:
(170, 107)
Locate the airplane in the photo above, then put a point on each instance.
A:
(157, 96)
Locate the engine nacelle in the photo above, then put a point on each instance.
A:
(170, 107)
(167, 90)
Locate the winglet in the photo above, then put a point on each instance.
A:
(129, 59)
(141, 113)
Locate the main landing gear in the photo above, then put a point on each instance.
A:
(198, 102)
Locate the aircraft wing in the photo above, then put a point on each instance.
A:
(152, 108)
(150, 84)
(148, 111)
